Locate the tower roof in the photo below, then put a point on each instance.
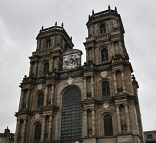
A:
(53, 30)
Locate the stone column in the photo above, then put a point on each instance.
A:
(36, 69)
(45, 96)
(39, 69)
(136, 120)
(85, 85)
(21, 99)
(24, 131)
(17, 131)
(27, 99)
(93, 52)
(31, 69)
(92, 86)
(50, 129)
(113, 49)
(58, 63)
(118, 119)
(115, 84)
(52, 94)
(93, 122)
(123, 80)
(85, 123)
(120, 48)
(43, 129)
(127, 118)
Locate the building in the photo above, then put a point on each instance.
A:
(7, 136)
(150, 136)
(63, 101)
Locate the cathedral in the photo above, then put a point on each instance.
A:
(65, 101)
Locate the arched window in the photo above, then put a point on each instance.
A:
(37, 133)
(105, 89)
(45, 68)
(48, 43)
(40, 99)
(108, 128)
(71, 119)
(102, 28)
(104, 55)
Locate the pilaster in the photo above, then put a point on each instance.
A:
(118, 119)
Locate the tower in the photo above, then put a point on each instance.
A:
(63, 101)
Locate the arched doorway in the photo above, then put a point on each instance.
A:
(71, 119)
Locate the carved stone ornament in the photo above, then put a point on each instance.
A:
(37, 116)
(40, 86)
(72, 59)
(70, 81)
(104, 74)
(106, 106)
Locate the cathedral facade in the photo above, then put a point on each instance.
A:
(63, 101)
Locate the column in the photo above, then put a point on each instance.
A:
(136, 120)
(27, 99)
(115, 84)
(113, 49)
(36, 69)
(123, 80)
(50, 65)
(85, 123)
(127, 118)
(93, 52)
(58, 63)
(52, 94)
(50, 129)
(17, 131)
(21, 100)
(120, 48)
(24, 131)
(31, 69)
(93, 122)
(43, 129)
(84, 85)
(45, 96)
(92, 86)
(118, 119)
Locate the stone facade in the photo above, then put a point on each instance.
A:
(63, 101)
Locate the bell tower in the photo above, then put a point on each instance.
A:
(38, 101)
(105, 39)
(114, 87)
(52, 42)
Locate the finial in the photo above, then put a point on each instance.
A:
(92, 12)
(56, 23)
(42, 28)
(7, 128)
(115, 8)
(62, 24)
(133, 77)
(89, 16)
(108, 7)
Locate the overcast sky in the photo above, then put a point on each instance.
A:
(21, 20)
